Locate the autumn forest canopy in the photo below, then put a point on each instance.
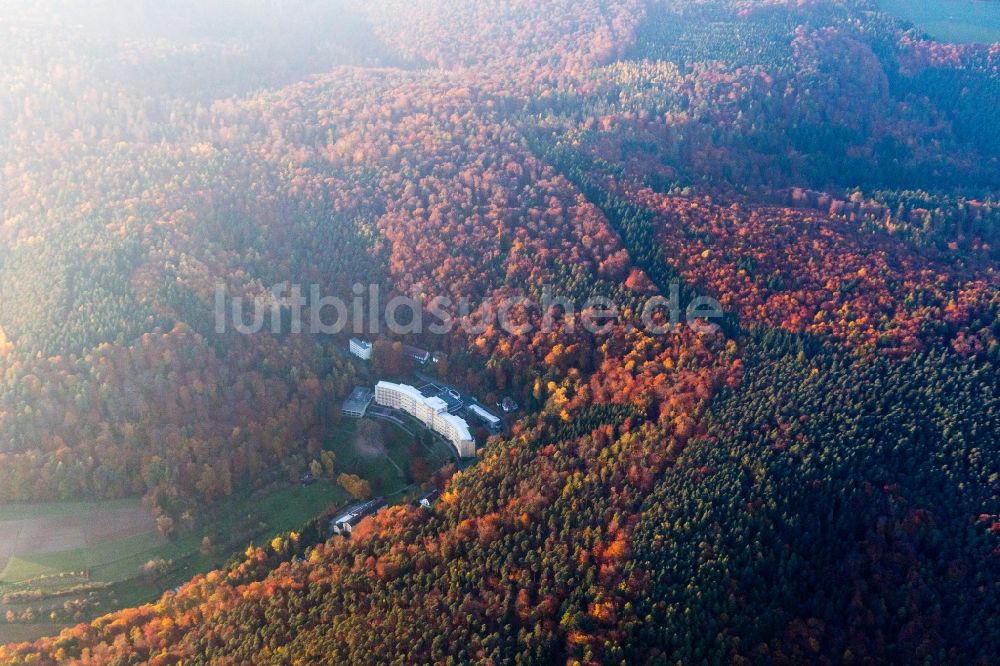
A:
(815, 481)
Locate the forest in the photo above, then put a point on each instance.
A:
(816, 481)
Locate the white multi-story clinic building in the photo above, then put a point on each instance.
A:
(432, 412)
(361, 349)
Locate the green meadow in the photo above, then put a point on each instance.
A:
(106, 573)
(56, 555)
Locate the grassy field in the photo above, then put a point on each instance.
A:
(59, 509)
(104, 573)
(49, 531)
(965, 21)
(392, 471)
(66, 562)
(115, 560)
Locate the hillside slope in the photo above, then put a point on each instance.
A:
(814, 481)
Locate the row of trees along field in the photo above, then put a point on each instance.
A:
(836, 510)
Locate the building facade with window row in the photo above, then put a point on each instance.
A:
(361, 348)
(432, 412)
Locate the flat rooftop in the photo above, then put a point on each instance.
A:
(484, 415)
(454, 403)
(359, 399)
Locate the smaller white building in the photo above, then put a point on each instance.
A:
(361, 349)
(487, 418)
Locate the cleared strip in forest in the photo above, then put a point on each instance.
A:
(633, 223)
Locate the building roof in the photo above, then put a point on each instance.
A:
(450, 400)
(434, 402)
(356, 512)
(437, 404)
(430, 496)
(483, 414)
(415, 352)
(411, 392)
(361, 393)
(361, 343)
(458, 423)
(359, 400)
(347, 513)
